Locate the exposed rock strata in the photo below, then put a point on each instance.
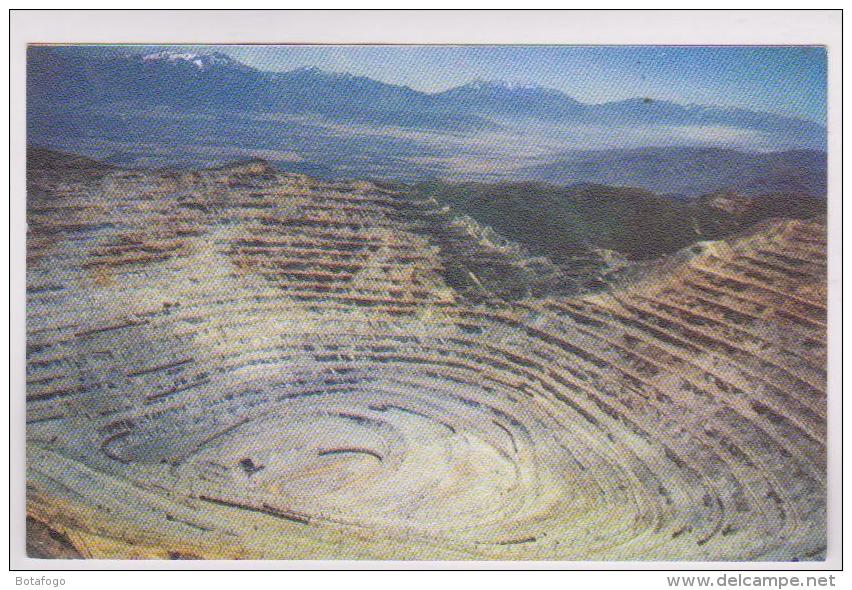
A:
(243, 364)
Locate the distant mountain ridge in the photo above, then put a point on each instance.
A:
(685, 171)
(189, 109)
(189, 80)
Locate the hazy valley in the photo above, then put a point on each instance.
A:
(160, 110)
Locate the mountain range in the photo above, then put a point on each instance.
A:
(186, 108)
(203, 81)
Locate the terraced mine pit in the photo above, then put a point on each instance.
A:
(244, 364)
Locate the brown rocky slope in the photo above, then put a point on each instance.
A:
(239, 363)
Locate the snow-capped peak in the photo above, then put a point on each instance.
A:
(199, 60)
(503, 85)
(173, 57)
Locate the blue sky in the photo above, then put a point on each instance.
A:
(784, 80)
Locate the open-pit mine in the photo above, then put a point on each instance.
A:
(239, 363)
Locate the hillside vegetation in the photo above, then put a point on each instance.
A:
(565, 222)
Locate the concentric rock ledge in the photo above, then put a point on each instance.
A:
(239, 363)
